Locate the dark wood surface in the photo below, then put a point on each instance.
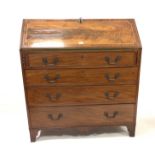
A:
(81, 95)
(80, 76)
(79, 59)
(81, 115)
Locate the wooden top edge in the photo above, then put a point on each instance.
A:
(64, 19)
(78, 49)
(25, 20)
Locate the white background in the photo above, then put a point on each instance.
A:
(14, 135)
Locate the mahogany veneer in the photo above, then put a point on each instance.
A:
(80, 75)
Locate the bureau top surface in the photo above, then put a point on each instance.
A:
(76, 33)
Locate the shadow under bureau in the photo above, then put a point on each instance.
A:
(80, 75)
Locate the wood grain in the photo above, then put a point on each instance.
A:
(79, 59)
(81, 95)
(72, 34)
(96, 76)
(80, 75)
(81, 115)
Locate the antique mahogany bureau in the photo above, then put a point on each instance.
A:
(80, 75)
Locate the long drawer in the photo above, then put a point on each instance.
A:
(81, 115)
(80, 95)
(81, 76)
(84, 59)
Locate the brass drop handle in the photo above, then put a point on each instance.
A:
(54, 62)
(112, 62)
(112, 78)
(111, 115)
(50, 80)
(53, 97)
(55, 117)
(111, 95)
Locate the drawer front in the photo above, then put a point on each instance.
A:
(80, 95)
(81, 115)
(82, 59)
(81, 76)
